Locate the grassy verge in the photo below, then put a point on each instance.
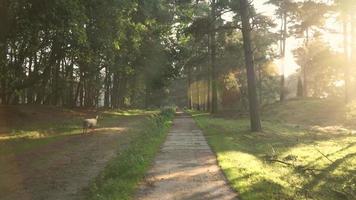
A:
(283, 162)
(120, 178)
(69, 125)
(37, 134)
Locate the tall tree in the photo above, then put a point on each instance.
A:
(212, 36)
(346, 10)
(310, 16)
(285, 12)
(251, 78)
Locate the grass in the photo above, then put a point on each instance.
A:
(322, 112)
(121, 177)
(316, 163)
(144, 132)
(32, 135)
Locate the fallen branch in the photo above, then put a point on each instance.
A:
(323, 155)
(298, 167)
(280, 161)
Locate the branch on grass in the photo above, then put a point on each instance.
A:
(298, 167)
(280, 161)
(324, 155)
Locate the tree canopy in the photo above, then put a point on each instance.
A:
(132, 53)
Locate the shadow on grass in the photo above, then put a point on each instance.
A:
(328, 179)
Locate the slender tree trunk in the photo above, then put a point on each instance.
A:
(260, 85)
(29, 95)
(208, 102)
(251, 79)
(304, 68)
(353, 48)
(190, 100)
(107, 87)
(55, 85)
(3, 76)
(300, 87)
(346, 57)
(283, 55)
(115, 91)
(4, 14)
(122, 90)
(198, 93)
(70, 101)
(214, 98)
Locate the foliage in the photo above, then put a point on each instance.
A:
(85, 53)
(323, 66)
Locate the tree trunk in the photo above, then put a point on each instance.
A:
(3, 76)
(3, 49)
(190, 100)
(122, 90)
(251, 79)
(70, 98)
(300, 87)
(198, 93)
(107, 87)
(260, 85)
(214, 98)
(304, 69)
(346, 57)
(283, 55)
(353, 48)
(208, 102)
(115, 91)
(29, 94)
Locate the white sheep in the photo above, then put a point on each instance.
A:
(89, 123)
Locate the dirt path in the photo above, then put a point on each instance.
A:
(185, 168)
(60, 170)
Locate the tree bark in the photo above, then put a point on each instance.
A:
(208, 102)
(3, 49)
(190, 101)
(305, 67)
(283, 55)
(346, 57)
(115, 91)
(214, 98)
(251, 78)
(353, 46)
(107, 87)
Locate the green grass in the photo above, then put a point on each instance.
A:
(121, 177)
(70, 126)
(321, 161)
(34, 135)
(145, 131)
(312, 112)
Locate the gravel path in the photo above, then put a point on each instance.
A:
(185, 168)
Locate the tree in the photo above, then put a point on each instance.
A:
(346, 10)
(310, 17)
(324, 67)
(74, 52)
(285, 11)
(251, 78)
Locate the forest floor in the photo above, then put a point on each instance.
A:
(44, 155)
(307, 150)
